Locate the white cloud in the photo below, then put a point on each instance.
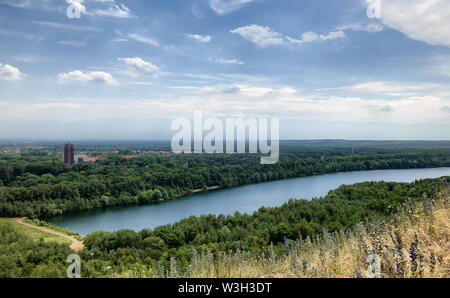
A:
(67, 26)
(306, 37)
(245, 99)
(312, 36)
(46, 5)
(424, 20)
(332, 35)
(136, 66)
(143, 39)
(372, 27)
(208, 89)
(93, 77)
(27, 36)
(16, 3)
(226, 6)
(262, 36)
(426, 109)
(391, 88)
(10, 73)
(72, 43)
(243, 90)
(119, 39)
(200, 38)
(141, 83)
(114, 10)
(226, 61)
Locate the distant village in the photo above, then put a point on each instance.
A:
(71, 158)
(16, 150)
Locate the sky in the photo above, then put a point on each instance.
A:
(328, 69)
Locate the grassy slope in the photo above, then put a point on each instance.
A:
(414, 243)
(34, 233)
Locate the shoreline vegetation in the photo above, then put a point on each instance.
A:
(43, 187)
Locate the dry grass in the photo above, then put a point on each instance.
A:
(415, 243)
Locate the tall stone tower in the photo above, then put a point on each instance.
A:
(69, 154)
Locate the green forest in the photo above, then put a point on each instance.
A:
(37, 184)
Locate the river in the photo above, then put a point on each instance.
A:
(245, 199)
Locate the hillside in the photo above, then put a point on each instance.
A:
(414, 243)
(35, 232)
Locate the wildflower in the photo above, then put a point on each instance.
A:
(160, 269)
(400, 260)
(305, 265)
(415, 255)
(432, 262)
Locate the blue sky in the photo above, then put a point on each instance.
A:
(125, 69)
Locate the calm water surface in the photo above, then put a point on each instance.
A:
(245, 199)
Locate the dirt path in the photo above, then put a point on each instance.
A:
(76, 245)
(209, 188)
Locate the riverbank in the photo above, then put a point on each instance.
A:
(227, 201)
(195, 191)
(207, 189)
(40, 188)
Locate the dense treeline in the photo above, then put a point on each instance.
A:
(42, 186)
